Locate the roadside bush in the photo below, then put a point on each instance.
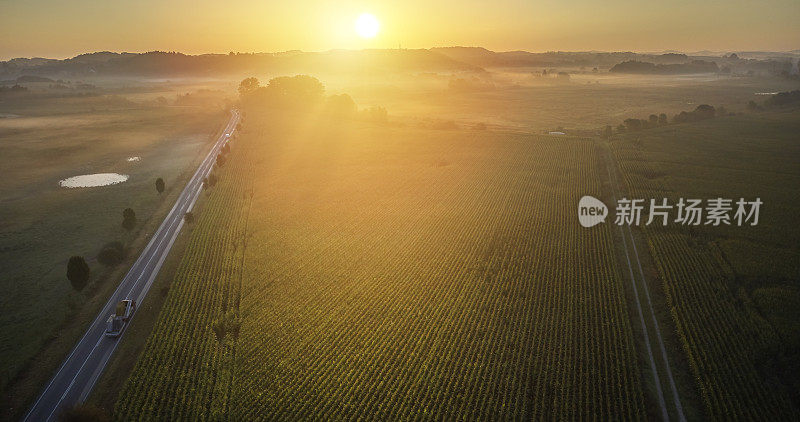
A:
(111, 254)
(160, 185)
(78, 272)
(128, 219)
(209, 181)
(189, 217)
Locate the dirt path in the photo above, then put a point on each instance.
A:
(627, 235)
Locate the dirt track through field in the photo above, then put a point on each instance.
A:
(612, 176)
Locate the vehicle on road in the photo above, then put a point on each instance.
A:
(116, 321)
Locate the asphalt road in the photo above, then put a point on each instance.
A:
(79, 372)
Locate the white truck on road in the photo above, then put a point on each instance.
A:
(116, 321)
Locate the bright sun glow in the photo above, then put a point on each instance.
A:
(367, 25)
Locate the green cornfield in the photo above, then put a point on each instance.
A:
(348, 271)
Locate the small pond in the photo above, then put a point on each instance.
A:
(92, 180)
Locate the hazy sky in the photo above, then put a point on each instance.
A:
(64, 28)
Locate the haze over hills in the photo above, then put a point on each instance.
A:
(440, 59)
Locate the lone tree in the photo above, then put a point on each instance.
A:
(633, 124)
(247, 86)
(189, 217)
(78, 272)
(160, 185)
(128, 219)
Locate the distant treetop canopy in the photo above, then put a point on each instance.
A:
(285, 91)
(695, 66)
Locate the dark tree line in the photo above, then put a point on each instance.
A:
(701, 112)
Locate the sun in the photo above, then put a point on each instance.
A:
(367, 25)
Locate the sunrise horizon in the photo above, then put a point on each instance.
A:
(401, 47)
(399, 210)
(53, 30)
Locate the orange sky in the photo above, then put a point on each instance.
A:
(55, 28)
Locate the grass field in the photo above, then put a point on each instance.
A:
(50, 137)
(520, 102)
(374, 272)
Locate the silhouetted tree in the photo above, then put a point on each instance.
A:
(128, 219)
(78, 272)
(704, 111)
(653, 120)
(247, 86)
(297, 89)
(633, 124)
(111, 254)
(160, 185)
(662, 119)
(209, 181)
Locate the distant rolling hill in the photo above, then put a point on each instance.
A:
(359, 62)
(178, 64)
